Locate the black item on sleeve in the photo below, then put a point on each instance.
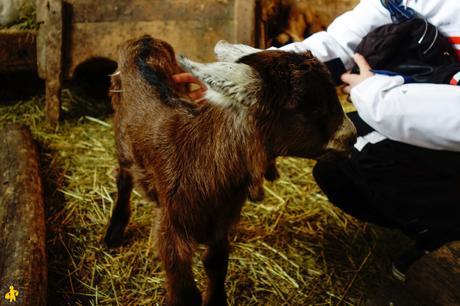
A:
(413, 48)
(336, 68)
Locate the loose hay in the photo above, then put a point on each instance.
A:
(27, 21)
(292, 249)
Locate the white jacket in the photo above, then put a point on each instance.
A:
(425, 115)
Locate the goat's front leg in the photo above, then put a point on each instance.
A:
(176, 256)
(215, 262)
(271, 173)
(256, 190)
(121, 211)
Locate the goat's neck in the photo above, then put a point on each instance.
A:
(236, 139)
(251, 147)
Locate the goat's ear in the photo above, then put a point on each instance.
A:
(300, 83)
(229, 84)
(227, 52)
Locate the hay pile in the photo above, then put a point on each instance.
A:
(292, 249)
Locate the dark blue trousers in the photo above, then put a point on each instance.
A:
(397, 185)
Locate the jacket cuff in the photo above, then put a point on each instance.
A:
(374, 88)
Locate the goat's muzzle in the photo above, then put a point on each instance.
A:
(342, 141)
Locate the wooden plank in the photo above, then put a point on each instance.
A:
(84, 11)
(245, 22)
(23, 262)
(17, 51)
(435, 278)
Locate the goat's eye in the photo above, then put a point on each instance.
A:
(317, 113)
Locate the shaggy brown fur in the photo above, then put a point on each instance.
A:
(198, 163)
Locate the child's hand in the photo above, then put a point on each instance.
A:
(187, 78)
(352, 79)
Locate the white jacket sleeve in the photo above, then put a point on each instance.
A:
(424, 115)
(345, 33)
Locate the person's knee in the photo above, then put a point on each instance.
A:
(341, 182)
(327, 174)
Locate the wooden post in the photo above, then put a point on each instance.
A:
(23, 262)
(245, 22)
(50, 59)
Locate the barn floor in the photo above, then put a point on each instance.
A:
(292, 249)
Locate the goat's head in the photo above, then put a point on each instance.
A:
(158, 55)
(291, 96)
(154, 59)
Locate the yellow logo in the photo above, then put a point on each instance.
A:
(12, 294)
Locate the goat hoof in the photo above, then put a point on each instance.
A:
(218, 298)
(257, 194)
(114, 236)
(272, 174)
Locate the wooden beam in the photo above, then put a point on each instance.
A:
(23, 262)
(42, 34)
(435, 278)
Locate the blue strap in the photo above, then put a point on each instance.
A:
(398, 11)
(407, 78)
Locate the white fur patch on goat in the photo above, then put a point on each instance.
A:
(227, 52)
(229, 84)
(217, 98)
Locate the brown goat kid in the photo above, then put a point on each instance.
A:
(200, 162)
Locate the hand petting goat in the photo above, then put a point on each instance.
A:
(353, 79)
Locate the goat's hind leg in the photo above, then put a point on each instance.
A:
(176, 255)
(215, 261)
(121, 211)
